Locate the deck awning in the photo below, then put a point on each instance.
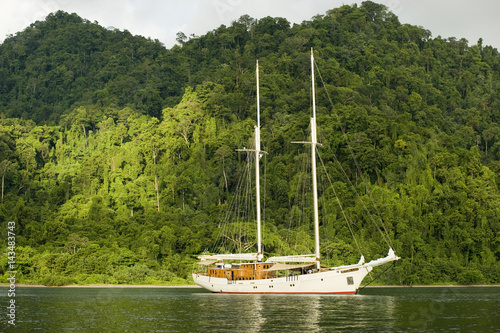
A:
(286, 267)
(229, 256)
(206, 262)
(294, 258)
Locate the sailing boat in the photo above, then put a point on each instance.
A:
(295, 274)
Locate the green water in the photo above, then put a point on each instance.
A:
(443, 309)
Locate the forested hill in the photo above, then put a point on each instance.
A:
(117, 155)
(56, 65)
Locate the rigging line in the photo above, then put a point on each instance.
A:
(248, 205)
(220, 241)
(264, 199)
(325, 209)
(340, 204)
(304, 199)
(291, 216)
(238, 211)
(227, 229)
(324, 217)
(303, 182)
(295, 218)
(352, 155)
(375, 278)
(232, 214)
(385, 235)
(251, 204)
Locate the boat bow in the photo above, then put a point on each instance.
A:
(391, 256)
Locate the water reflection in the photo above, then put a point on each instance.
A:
(292, 312)
(258, 313)
(358, 313)
(285, 313)
(229, 313)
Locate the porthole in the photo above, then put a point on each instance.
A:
(350, 280)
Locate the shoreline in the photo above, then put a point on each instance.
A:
(438, 286)
(22, 285)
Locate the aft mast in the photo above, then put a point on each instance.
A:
(314, 143)
(257, 172)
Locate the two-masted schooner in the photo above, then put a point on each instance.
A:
(247, 273)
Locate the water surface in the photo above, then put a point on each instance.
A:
(429, 309)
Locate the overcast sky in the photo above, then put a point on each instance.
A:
(162, 19)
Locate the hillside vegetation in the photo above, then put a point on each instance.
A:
(117, 155)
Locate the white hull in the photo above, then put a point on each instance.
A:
(335, 281)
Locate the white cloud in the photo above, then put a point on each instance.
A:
(163, 19)
(455, 18)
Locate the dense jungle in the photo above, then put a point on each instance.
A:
(117, 154)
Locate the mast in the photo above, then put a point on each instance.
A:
(258, 154)
(314, 143)
(257, 172)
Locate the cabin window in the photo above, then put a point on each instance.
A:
(350, 280)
